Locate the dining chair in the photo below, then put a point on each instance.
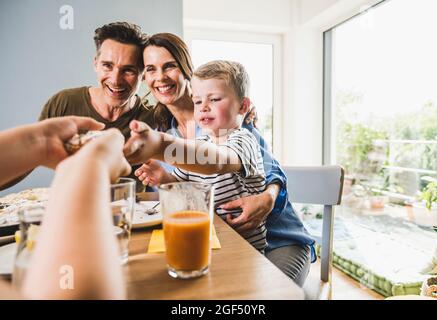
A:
(320, 185)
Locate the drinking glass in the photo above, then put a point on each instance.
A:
(122, 205)
(187, 210)
(30, 218)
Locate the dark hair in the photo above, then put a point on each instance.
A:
(123, 32)
(179, 50)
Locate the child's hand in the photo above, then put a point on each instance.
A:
(151, 173)
(143, 144)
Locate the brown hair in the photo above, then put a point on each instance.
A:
(123, 32)
(179, 50)
(233, 73)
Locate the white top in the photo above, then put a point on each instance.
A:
(248, 181)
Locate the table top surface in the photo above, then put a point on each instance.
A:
(237, 271)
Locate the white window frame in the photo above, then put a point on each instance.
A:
(274, 39)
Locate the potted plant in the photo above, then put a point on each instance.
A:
(378, 200)
(429, 195)
(425, 209)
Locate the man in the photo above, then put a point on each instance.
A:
(119, 67)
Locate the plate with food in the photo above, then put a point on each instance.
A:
(7, 257)
(146, 214)
(11, 203)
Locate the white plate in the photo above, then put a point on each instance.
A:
(7, 256)
(142, 219)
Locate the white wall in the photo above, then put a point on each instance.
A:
(303, 111)
(336, 12)
(304, 129)
(301, 24)
(310, 9)
(239, 13)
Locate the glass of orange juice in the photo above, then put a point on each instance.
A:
(187, 210)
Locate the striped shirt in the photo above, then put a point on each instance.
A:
(250, 180)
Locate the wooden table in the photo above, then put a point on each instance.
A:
(237, 271)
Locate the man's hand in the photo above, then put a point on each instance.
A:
(255, 208)
(143, 144)
(53, 133)
(151, 173)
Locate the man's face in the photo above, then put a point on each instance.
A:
(118, 71)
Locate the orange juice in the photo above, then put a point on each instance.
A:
(187, 240)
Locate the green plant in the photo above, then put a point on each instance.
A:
(429, 194)
(355, 143)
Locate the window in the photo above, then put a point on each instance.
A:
(383, 102)
(260, 56)
(380, 124)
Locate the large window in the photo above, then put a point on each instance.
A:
(260, 55)
(380, 124)
(384, 98)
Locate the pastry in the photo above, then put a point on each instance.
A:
(79, 140)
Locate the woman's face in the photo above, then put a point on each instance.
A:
(163, 76)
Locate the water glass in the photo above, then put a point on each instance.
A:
(30, 217)
(122, 205)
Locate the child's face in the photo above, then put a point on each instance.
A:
(216, 106)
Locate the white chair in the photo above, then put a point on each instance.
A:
(322, 185)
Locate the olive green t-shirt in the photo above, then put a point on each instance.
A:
(77, 102)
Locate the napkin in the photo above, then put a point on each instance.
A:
(156, 244)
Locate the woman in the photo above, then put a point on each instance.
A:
(168, 70)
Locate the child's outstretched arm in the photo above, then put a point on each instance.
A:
(152, 173)
(197, 156)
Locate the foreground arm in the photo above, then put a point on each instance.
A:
(27, 147)
(78, 231)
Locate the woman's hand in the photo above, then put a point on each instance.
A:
(255, 208)
(143, 144)
(151, 173)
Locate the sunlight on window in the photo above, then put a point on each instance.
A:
(385, 97)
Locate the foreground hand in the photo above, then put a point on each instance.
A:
(53, 133)
(255, 208)
(151, 173)
(143, 144)
(108, 148)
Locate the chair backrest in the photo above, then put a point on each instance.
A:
(321, 185)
